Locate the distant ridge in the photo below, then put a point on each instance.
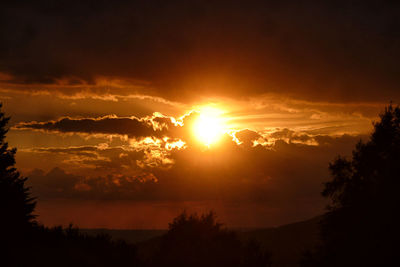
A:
(287, 243)
(129, 235)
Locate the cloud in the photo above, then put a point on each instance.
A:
(96, 160)
(154, 129)
(229, 172)
(313, 50)
(153, 141)
(247, 137)
(108, 125)
(59, 184)
(53, 184)
(273, 177)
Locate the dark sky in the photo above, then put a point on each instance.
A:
(329, 50)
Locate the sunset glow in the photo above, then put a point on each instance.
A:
(125, 113)
(209, 126)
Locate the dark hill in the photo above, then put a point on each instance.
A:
(286, 243)
(131, 236)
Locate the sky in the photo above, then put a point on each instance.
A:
(125, 114)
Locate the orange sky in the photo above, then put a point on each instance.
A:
(126, 114)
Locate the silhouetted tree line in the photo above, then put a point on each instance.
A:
(197, 241)
(191, 240)
(362, 222)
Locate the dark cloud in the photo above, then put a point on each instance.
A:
(57, 183)
(341, 50)
(87, 151)
(157, 126)
(53, 184)
(132, 126)
(247, 137)
(322, 140)
(95, 160)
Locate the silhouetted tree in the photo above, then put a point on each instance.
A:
(194, 240)
(25, 243)
(361, 226)
(16, 203)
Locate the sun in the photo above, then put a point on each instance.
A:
(209, 126)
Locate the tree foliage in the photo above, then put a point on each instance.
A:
(194, 240)
(361, 225)
(16, 203)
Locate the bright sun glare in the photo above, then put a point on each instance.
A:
(209, 127)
